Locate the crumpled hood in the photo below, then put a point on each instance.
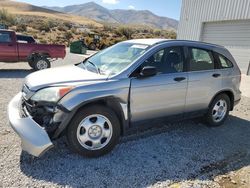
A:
(65, 75)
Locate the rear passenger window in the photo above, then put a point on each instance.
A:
(5, 37)
(224, 62)
(201, 60)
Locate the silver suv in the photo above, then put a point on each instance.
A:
(125, 86)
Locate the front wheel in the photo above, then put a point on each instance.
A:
(41, 63)
(94, 131)
(218, 111)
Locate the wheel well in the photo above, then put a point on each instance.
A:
(38, 54)
(112, 104)
(230, 95)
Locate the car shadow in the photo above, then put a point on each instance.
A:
(15, 73)
(172, 153)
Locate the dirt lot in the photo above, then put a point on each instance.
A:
(182, 154)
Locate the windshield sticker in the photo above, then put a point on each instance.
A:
(140, 46)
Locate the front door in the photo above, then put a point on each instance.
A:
(163, 94)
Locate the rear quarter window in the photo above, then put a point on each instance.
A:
(224, 62)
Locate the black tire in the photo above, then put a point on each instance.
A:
(209, 116)
(36, 64)
(31, 64)
(103, 46)
(92, 46)
(72, 129)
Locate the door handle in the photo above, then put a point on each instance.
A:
(179, 79)
(216, 75)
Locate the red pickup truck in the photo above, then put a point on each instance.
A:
(18, 48)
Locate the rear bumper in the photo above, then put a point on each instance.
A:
(35, 139)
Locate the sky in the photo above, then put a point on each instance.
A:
(168, 8)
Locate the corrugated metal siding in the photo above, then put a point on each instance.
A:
(227, 33)
(224, 22)
(195, 12)
(242, 57)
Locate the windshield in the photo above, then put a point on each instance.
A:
(114, 59)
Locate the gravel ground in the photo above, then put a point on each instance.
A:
(182, 154)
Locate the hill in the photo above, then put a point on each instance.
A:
(97, 12)
(54, 27)
(25, 9)
(88, 10)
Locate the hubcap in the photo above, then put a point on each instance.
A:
(41, 64)
(219, 110)
(94, 132)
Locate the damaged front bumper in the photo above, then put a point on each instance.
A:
(35, 139)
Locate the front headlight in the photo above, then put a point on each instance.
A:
(50, 94)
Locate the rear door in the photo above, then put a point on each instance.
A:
(204, 79)
(8, 47)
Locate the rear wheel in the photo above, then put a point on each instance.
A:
(31, 64)
(41, 63)
(94, 131)
(218, 110)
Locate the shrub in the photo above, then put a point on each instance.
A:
(21, 28)
(68, 35)
(125, 31)
(43, 26)
(61, 27)
(6, 18)
(67, 24)
(108, 27)
(91, 26)
(172, 35)
(35, 36)
(74, 31)
(157, 32)
(51, 24)
(42, 41)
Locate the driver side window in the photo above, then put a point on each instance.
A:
(168, 60)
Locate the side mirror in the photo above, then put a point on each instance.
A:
(148, 71)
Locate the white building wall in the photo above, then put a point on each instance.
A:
(195, 12)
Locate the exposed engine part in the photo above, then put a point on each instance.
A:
(45, 114)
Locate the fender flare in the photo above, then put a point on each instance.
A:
(228, 92)
(121, 110)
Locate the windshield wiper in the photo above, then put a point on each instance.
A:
(94, 65)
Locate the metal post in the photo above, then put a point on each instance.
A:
(248, 70)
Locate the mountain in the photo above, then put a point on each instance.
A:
(25, 9)
(144, 17)
(97, 12)
(90, 10)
